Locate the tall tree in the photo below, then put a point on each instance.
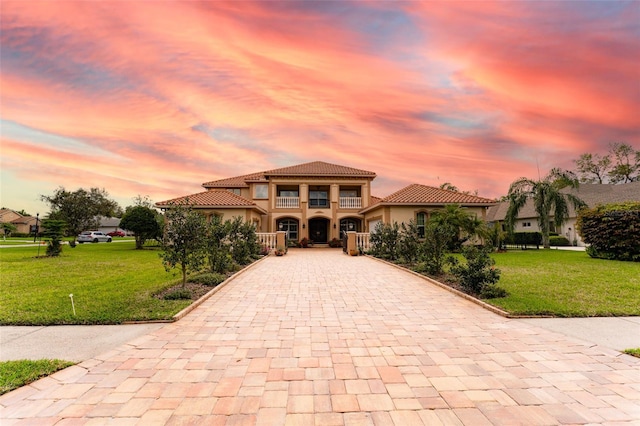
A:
(80, 209)
(627, 163)
(621, 164)
(547, 199)
(592, 168)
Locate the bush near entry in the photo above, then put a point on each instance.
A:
(612, 231)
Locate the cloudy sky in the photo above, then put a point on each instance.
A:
(155, 98)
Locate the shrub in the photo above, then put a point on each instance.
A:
(244, 242)
(335, 243)
(478, 274)
(559, 241)
(409, 244)
(304, 243)
(384, 241)
(434, 248)
(208, 279)
(54, 231)
(612, 231)
(180, 294)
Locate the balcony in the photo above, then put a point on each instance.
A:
(287, 202)
(350, 202)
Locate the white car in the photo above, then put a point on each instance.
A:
(93, 237)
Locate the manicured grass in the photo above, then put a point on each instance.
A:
(633, 352)
(14, 374)
(567, 284)
(110, 283)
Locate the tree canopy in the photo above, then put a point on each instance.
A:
(81, 209)
(620, 165)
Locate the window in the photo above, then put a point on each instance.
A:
(234, 190)
(349, 225)
(348, 193)
(421, 219)
(290, 226)
(261, 191)
(318, 199)
(287, 193)
(526, 224)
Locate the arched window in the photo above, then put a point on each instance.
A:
(349, 225)
(290, 226)
(421, 220)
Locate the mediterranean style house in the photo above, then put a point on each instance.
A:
(23, 224)
(319, 200)
(591, 194)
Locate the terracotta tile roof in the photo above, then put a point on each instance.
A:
(416, 194)
(319, 168)
(235, 182)
(592, 194)
(422, 194)
(374, 200)
(217, 198)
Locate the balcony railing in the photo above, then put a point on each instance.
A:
(350, 202)
(287, 202)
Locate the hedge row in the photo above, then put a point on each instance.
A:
(524, 239)
(612, 231)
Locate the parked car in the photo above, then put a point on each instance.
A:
(116, 234)
(93, 237)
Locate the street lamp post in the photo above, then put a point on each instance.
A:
(35, 234)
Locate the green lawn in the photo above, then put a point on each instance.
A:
(14, 374)
(567, 284)
(110, 283)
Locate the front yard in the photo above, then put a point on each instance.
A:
(110, 283)
(567, 284)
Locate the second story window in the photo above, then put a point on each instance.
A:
(318, 199)
(261, 191)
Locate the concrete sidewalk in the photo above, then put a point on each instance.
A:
(81, 342)
(316, 337)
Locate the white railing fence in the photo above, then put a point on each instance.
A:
(362, 240)
(287, 202)
(267, 239)
(350, 202)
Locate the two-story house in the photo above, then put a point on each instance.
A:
(318, 200)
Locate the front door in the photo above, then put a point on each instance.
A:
(318, 230)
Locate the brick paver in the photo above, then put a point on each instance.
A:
(317, 337)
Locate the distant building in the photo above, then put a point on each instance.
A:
(22, 223)
(591, 194)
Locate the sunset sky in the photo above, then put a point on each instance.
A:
(155, 98)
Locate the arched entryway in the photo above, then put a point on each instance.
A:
(319, 230)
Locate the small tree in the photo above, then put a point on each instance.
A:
(143, 222)
(458, 223)
(409, 244)
(7, 229)
(54, 231)
(244, 242)
(184, 239)
(384, 241)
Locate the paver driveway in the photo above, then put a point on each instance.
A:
(316, 337)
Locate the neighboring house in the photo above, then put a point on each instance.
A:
(318, 200)
(22, 223)
(109, 224)
(591, 194)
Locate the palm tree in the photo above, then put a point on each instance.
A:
(547, 199)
